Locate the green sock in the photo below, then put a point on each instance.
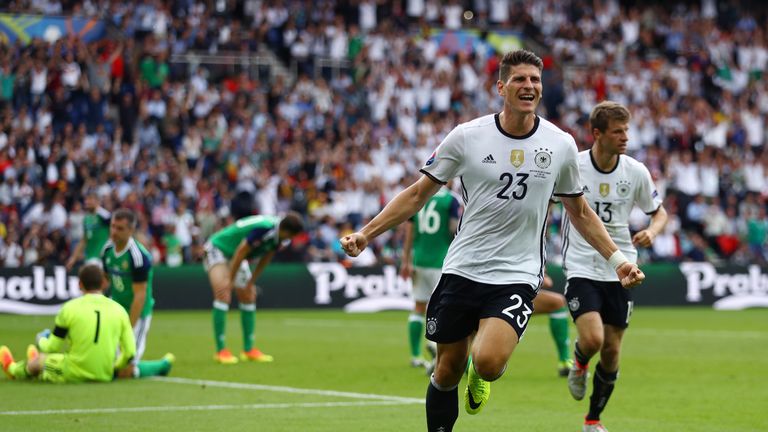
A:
(415, 333)
(558, 326)
(248, 323)
(19, 370)
(220, 323)
(148, 368)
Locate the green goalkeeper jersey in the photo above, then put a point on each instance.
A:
(93, 326)
(134, 264)
(432, 233)
(261, 233)
(96, 232)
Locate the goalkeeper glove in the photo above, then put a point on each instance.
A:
(42, 335)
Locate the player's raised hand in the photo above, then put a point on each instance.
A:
(643, 238)
(353, 244)
(630, 275)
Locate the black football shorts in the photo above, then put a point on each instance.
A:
(458, 304)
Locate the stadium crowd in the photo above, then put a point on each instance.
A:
(191, 148)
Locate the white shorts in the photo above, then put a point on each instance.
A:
(425, 280)
(214, 256)
(140, 332)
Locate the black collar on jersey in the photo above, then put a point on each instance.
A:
(594, 164)
(518, 137)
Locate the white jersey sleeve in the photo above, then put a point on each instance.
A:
(447, 161)
(646, 195)
(568, 182)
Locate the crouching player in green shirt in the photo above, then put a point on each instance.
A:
(128, 266)
(226, 260)
(93, 326)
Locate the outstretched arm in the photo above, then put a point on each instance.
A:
(402, 206)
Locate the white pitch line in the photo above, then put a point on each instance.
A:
(295, 390)
(203, 408)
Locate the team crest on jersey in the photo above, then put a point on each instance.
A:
(605, 189)
(574, 304)
(622, 188)
(431, 326)
(516, 158)
(431, 159)
(125, 265)
(543, 157)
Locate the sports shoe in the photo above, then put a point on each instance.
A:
(594, 427)
(564, 367)
(6, 360)
(256, 355)
(477, 393)
(577, 381)
(32, 353)
(225, 357)
(417, 362)
(169, 359)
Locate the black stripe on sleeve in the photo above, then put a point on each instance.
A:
(573, 195)
(651, 213)
(60, 332)
(433, 178)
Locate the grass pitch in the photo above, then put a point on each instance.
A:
(691, 369)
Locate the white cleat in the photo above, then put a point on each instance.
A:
(577, 383)
(595, 427)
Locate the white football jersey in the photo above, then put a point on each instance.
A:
(506, 184)
(611, 195)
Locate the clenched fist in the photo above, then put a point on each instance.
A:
(630, 275)
(353, 244)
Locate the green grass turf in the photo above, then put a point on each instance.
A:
(691, 369)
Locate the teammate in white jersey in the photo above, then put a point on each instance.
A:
(509, 165)
(612, 183)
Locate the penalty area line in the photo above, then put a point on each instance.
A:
(283, 389)
(202, 408)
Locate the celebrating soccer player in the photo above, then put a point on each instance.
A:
(509, 165)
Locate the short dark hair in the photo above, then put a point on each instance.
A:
(292, 222)
(126, 215)
(91, 276)
(518, 57)
(604, 112)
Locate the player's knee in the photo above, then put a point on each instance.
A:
(489, 367)
(591, 342)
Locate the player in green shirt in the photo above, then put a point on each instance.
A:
(93, 326)
(428, 235)
(128, 266)
(227, 253)
(95, 232)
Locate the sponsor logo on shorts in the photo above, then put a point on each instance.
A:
(431, 326)
(574, 304)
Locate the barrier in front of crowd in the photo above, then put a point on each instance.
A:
(40, 290)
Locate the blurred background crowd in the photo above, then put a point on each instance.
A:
(171, 115)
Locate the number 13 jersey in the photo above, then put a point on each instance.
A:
(506, 184)
(611, 194)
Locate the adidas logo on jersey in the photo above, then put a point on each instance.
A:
(489, 159)
(585, 189)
